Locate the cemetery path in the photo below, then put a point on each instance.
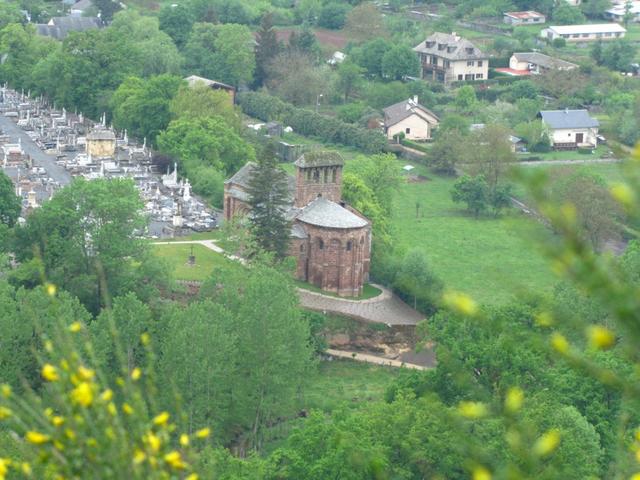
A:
(40, 159)
(385, 308)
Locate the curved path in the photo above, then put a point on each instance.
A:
(384, 308)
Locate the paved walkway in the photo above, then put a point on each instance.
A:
(581, 161)
(385, 308)
(366, 358)
(40, 159)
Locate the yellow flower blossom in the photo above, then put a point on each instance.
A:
(153, 441)
(50, 373)
(635, 476)
(175, 460)
(481, 473)
(82, 395)
(193, 476)
(139, 456)
(71, 435)
(203, 433)
(111, 408)
(560, 343)
(26, 469)
(5, 390)
(600, 337)
(4, 466)
(544, 319)
(623, 194)
(75, 327)
(126, 408)
(145, 339)
(107, 395)
(472, 410)
(50, 289)
(514, 399)
(161, 419)
(5, 413)
(460, 303)
(184, 440)
(136, 374)
(57, 420)
(547, 443)
(85, 373)
(36, 438)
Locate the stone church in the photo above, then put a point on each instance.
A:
(331, 240)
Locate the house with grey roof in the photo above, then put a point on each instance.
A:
(570, 129)
(410, 118)
(194, 80)
(448, 57)
(330, 240)
(60, 27)
(538, 63)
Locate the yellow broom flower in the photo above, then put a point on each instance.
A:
(472, 410)
(513, 401)
(50, 373)
(75, 327)
(36, 438)
(161, 419)
(481, 473)
(600, 337)
(136, 374)
(460, 302)
(82, 395)
(175, 460)
(203, 433)
(547, 443)
(184, 440)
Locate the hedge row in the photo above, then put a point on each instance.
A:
(305, 122)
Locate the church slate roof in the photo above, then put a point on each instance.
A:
(60, 27)
(243, 175)
(325, 213)
(319, 158)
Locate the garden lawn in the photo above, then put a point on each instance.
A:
(492, 259)
(177, 255)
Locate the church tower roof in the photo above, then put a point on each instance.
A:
(319, 158)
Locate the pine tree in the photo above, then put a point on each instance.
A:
(269, 200)
(267, 48)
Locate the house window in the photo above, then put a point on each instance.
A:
(460, 77)
(576, 35)
(349, 244)
(478, 76)
(585, 35)
(468, 76)
(569, 134)
(407, 130)
(479, 63)
(470, 63)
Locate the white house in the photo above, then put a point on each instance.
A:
(528, 17)
(410, 118)
(538, 63)
(584, 33)
(570, 129)
(448, 57)
(617, 12)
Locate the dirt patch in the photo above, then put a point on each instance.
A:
(417, 179)
(397, 342)
(336, 40)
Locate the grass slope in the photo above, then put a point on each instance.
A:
(492, 259)
(177, 255)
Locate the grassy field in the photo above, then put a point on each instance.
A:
(368, 291)
(177, 255)
(492, 259)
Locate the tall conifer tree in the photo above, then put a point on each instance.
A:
(269, 200)
(267, 48)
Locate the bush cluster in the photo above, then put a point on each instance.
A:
(305, 122)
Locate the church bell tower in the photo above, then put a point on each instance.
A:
(319, 174)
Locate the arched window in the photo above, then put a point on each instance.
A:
(316, 175)
(320, 244)
(333, 175)
(349, 245)
(302, 247)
